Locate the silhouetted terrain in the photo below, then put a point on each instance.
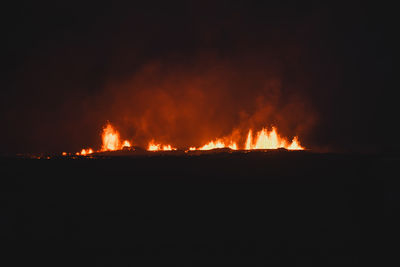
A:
(254, 209)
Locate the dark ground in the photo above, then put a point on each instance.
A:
(255, 209)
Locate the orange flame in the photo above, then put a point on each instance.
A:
(270, 140)
(263, 139)
(110, 139)
(126, 144)
(218, 143)
(295, 145)
(168, 148)
(84, 152)
(111, 142)
(158, 147)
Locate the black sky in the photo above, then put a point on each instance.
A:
(63, 65)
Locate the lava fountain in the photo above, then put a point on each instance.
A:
(158, 147)
(270, 140)
(262, 139)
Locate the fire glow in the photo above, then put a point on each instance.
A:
(217, 144)
(262, 139)
(158, 147)
(270, 140)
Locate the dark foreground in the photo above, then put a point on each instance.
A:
(255, 209)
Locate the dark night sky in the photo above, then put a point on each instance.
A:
(321, 71)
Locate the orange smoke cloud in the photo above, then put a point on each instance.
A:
(192, 107)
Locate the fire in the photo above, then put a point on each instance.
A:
(249, 141)
(110, 139)
(154, 147)
(212, 145)
(216, 144)
(295, 145)
(85, 152)
(168, 148)
(158, 147)
(263, 139)
(270, 140)
(126, 144)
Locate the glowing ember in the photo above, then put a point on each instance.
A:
(85, 152)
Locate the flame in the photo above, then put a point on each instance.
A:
(233, 146)
(218, 143)
(295, 145)
(168, 148)
(263, 139)
(158, 147)
(213, 145)
(110, 139)
(153, 147)
(83, 152)
(111, 142)
(249, 141)
(126, 144)
(270, 140)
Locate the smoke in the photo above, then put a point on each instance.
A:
(187, 72)
(184, 76)
(183, 102)
(190, 104)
